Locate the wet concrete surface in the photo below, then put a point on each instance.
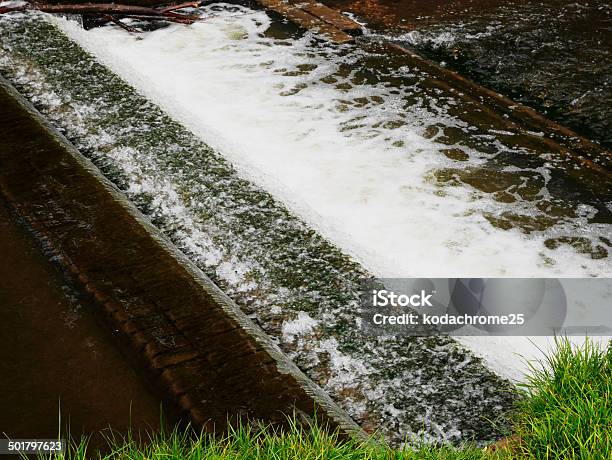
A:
(208, 360)
(207, 193)
(554, 56)
(56, 359)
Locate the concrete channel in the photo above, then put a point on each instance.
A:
(211, 362)
(197, 347)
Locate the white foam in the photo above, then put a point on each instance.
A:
(226, 82)
(299, 326)
(513, 356)
(13, 4)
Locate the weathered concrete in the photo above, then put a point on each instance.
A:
(310, 14)
(194, 342)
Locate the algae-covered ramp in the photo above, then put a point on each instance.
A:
(313, 144)
(196, 344)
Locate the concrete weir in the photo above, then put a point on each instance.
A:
(205, 354)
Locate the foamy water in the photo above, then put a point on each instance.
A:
(365, 187)
(364, 149)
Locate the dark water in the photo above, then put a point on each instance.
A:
(58, 366)
(555, 56)
(215, 216)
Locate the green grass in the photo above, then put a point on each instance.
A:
(246, 442)
(565, 413)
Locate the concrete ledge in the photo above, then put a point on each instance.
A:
(194, 342)
(310, 14)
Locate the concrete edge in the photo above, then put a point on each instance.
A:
(283, 363)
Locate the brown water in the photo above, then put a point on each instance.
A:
(54, 355)
(410, 14)
(552, 55)
(143, 151)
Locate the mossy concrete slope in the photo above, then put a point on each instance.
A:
(194, 342)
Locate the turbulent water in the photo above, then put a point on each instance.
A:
(321, 165)
(555, 56)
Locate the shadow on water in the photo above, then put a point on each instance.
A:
(56, 360)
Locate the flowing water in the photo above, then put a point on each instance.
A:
(59, 366)
(288, 169)
(553, 55)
